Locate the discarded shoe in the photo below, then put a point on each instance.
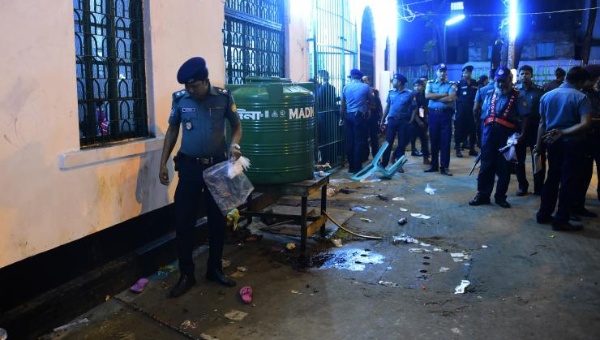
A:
(139, 286)
(183, 285)
(246, 294)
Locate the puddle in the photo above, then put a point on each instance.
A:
(348, 259)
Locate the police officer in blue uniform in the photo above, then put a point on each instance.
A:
(400, 110)
(441, 94)
(565, 114)
(356, 98)
(201, 110)
(464, 121)
(503, 109)
(532, 94)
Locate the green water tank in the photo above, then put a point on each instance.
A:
(278, 125)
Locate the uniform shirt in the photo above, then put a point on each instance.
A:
(480, 95)
(203, 121)
(520, 106)
(466, 92)
(438, 87)
(564, 106)
(357, 96)
(532, 95)
(401, 103)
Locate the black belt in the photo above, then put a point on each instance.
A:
(197, 160)
(441, 110)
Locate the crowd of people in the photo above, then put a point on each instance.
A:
(495, 120)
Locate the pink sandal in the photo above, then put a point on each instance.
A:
(246, 294)
(138, 287)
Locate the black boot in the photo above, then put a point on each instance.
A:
(183, 285)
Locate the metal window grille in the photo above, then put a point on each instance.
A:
(110, 65)
(253, 39)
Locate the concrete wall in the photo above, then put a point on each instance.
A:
(53, 192)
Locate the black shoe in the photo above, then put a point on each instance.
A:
(473, 153)
(573, 217)
(183, 285)
(566, 226)
(544, 219)
(445, 171)
(220, 278)
(459, 154)
(479, 200)
(416, 153)
(583, 212)
(432, 169)
(522, 192)
(503, 203)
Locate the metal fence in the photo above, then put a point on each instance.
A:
(333, 52)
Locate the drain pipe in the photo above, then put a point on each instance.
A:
(350, 231)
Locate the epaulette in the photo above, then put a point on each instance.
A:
(221, 91)
(177, 95)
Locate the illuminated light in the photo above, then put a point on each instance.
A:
(455, 19)
(513, 20)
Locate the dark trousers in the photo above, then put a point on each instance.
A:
(396, 128)
(591, 153)
(440, 134)
(493, 163)
(538, 178)
(190, 192)
(373, 135)
(564, 177)
(421, 133)
(465, 128)
(356, 140)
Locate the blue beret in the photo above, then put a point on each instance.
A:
(192, 70)
(400, 78)
(502, 73)
(356, 74)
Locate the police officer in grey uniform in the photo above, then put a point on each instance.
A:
(201, 110)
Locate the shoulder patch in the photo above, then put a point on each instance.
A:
(178, 94)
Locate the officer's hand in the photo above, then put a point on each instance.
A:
(235, 153)
(164, 175)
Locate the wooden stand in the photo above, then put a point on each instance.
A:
(303, 189)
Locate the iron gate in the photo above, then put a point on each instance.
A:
(333, 52)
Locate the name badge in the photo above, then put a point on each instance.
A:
(188, 109)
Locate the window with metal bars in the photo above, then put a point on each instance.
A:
(110, 65)
(253, 39)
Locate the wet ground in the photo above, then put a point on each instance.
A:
(524, 280)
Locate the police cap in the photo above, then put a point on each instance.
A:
(356, 74)
(401, 78)
(469, 68)
(442, 67)
(192, 70)
(502, 73)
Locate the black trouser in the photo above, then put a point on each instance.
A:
(493, 163)
(521, 150)
(421, 132)
(464, 126)
(564, 178)
(373, 135)
(191, 191)
(591, 153)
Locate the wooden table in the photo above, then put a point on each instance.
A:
(302, 189)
